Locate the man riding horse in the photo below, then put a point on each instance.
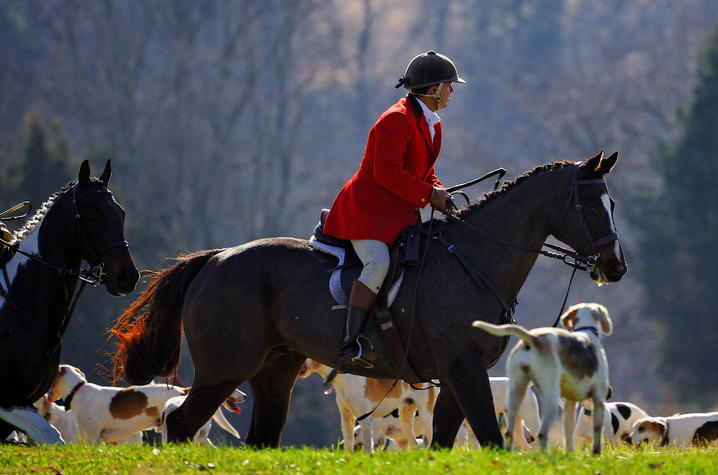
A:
(395, 178)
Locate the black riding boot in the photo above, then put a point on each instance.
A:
(356, 349)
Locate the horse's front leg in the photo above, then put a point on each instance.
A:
(469, 395)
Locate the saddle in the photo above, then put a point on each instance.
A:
(406, 251)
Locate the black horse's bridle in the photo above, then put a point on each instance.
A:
(92, 275)
(567, 256)
(574, 197)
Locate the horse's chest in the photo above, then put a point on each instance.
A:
(27, 376)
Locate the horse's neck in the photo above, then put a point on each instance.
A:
(522, 216)
(24, 276)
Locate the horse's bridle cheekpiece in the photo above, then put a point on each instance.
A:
(93, 275)
(574, 197)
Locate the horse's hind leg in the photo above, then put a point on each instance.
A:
(271, 390)
(201, 403)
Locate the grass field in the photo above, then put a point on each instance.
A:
(89, 459)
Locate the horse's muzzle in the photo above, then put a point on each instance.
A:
(121, 283)
(608, 274)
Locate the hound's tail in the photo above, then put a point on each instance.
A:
(506, 330)
(149, 332)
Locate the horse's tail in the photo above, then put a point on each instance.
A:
(149, 332)
(506, 330)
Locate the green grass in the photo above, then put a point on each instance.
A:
(89, 459)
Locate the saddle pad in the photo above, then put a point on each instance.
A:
(338, 292)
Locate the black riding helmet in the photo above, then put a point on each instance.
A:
(427, 69)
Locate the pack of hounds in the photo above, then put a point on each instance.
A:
(549, 371)
(92, 413)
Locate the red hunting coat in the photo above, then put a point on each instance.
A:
(396, 175)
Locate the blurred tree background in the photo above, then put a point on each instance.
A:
(230, 120)
(677, 229)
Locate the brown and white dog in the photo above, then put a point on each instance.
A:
(110, 414)
(201, 437)
(617, 423)
(358, 395)
(682, 430)
(568, 363)
(63, 420)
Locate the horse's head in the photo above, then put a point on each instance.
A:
(99, 223)
(587, 225)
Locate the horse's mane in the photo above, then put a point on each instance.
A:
(32, 222)
(509, 185)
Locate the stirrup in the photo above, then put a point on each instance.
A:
(364, 358)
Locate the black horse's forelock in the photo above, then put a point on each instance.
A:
(508, 185)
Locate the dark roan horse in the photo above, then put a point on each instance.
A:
(80, 221)
(255, 311)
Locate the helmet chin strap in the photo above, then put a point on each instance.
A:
(436, 96)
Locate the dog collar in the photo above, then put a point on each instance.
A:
(68, 399)
(593, 330)
(664, 439)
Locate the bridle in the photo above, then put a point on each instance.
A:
(575, 198)
(567, 256)
(580, 261)
(92, 275)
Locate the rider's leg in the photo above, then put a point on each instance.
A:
(357, 348)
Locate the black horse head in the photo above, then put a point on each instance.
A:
(98, 231)
(587, 224)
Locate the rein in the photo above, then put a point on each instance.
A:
(580, 262)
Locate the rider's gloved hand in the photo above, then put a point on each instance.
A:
(439, 198)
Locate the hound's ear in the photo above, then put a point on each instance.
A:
(607, 164)
(105, 177)
(568, 319)
(603, 319)
(84, 177)
(659, 427)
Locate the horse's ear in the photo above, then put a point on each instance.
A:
(590, 166)
(84, 177)
(607, 163)
(105, 177)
